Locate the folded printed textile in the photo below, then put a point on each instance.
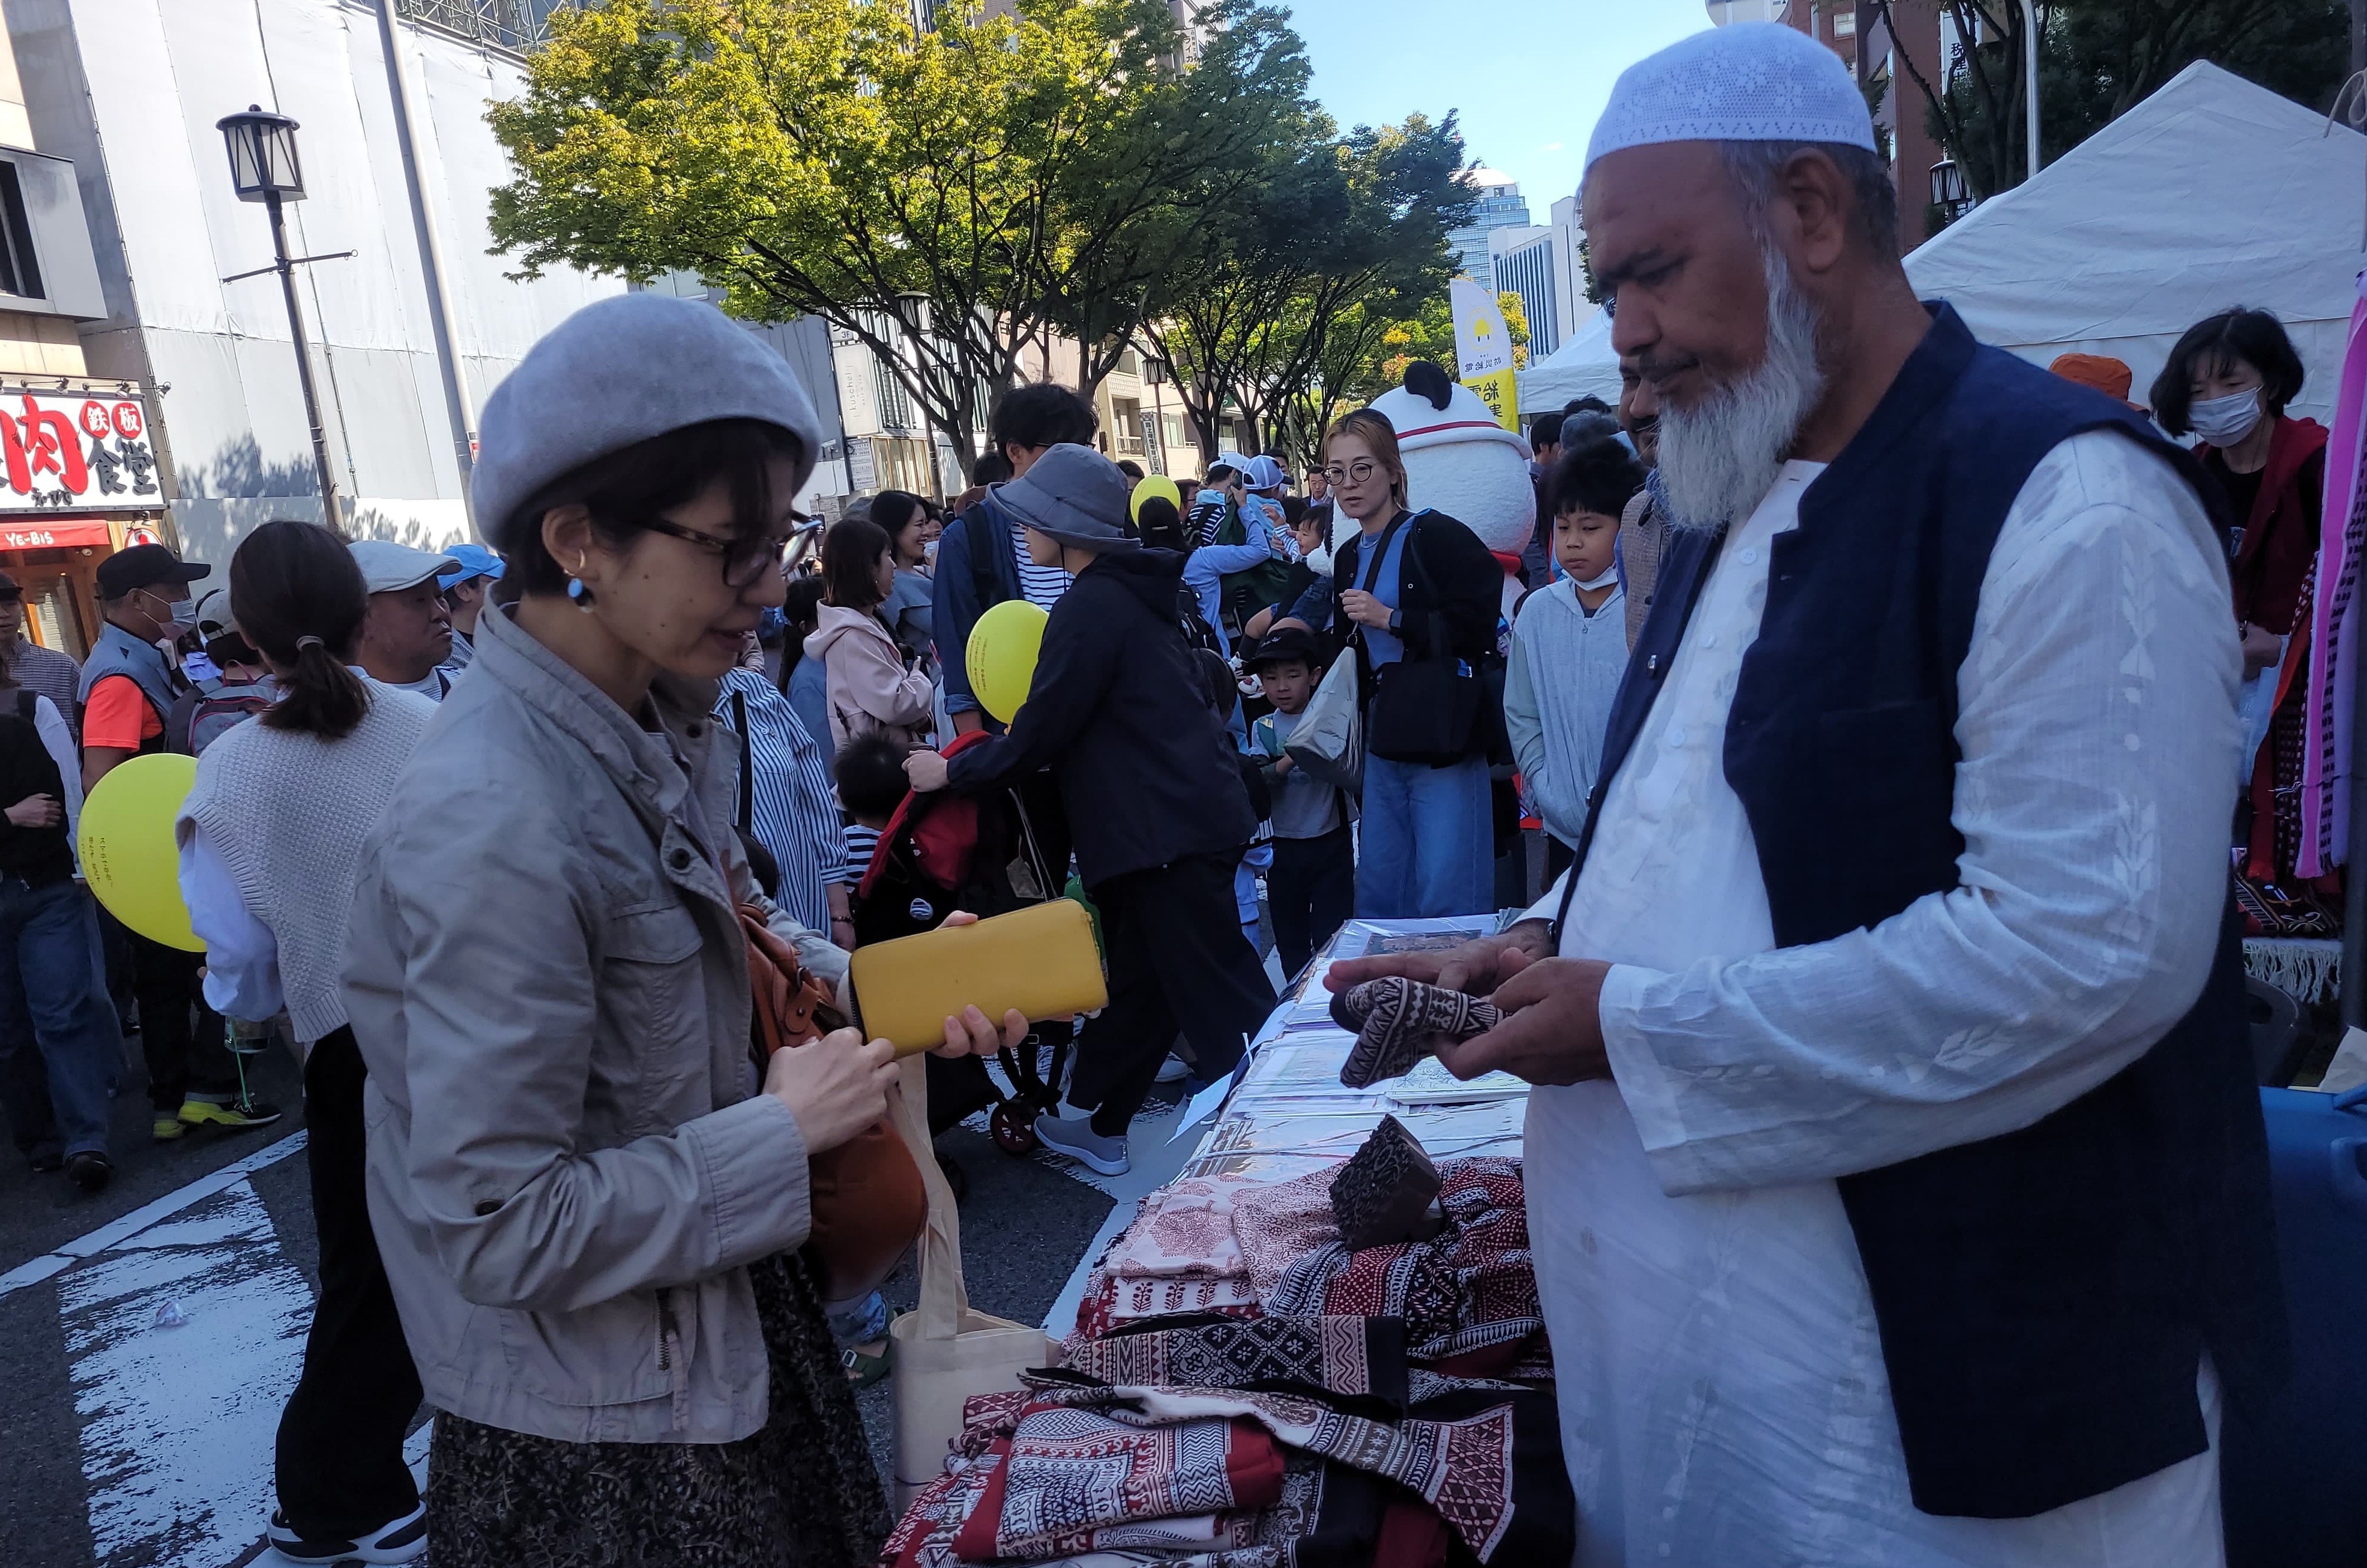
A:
(1328, 1516)
(1343, 1354)
(1111, 1302)
(1183, 1230)
(1276, 1225)
(1468, 1296)
(1066, 1473)
(1488, 1461)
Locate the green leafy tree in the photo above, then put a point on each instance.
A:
(1264, 313)
(2097, 59)
(943, 196)
(1516, 326)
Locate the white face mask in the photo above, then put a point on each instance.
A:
(1608, 577)
(2224, 421)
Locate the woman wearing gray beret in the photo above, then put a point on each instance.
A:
(588, 1201)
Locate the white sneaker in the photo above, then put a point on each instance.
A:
(397, 1541)
(1081, 1143)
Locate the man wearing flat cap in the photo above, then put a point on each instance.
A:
(1897, 1176)
(1123, 715)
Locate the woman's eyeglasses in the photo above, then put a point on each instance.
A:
(1349, 473)
(744, 560)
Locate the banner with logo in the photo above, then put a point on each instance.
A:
(76, 450)
(1483, 350)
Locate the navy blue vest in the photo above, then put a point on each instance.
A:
(2044, 1297)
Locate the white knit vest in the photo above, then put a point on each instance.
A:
(287, 813)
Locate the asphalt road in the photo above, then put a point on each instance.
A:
(132, 1441)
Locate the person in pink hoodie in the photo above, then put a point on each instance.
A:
(871, 688)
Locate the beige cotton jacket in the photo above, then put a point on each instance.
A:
(569, 1167)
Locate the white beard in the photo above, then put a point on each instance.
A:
(1719, 457)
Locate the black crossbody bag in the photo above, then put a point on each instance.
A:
(1424, 711)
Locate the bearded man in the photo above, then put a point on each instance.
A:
(1900, 1196)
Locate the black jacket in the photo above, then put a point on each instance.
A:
(39, 855)
(1469, 597)
(1121, 712)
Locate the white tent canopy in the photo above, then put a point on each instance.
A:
(1584, 365)
(2211, 193)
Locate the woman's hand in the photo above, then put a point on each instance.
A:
(2262, 648)
(37, 811)
(835, 1087)
(1365, 609)
(926, 769)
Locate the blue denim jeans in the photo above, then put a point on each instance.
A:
(59, 1048)
(1427, 843)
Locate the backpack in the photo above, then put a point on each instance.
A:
(1248, 591)
(200, 718)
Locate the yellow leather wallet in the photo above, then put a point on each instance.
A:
(1040, 959)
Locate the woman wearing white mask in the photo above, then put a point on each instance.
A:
(2228, 381)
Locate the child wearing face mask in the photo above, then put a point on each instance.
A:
(1569, 642)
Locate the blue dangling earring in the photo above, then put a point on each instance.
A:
(577, 594)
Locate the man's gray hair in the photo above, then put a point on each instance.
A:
(1755, 164)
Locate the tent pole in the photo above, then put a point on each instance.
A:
(2030, 80)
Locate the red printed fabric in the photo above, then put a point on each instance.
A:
(1067, 1476)
(1468, 1296)
(1112, 1300)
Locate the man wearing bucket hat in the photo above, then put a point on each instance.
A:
(1122, 715)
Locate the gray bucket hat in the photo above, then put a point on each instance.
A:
(616, 372)
(1075, 496)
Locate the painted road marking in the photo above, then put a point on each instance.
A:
(49, 1264)
(178, 1422)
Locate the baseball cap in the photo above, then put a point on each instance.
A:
(145, 566)
(8, 588)
(475, 561)
(1288, 643)
(1266, 473)
(213, 612)
(388, 567)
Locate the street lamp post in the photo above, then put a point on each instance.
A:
(263, 167)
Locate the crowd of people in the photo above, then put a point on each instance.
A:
(477, 830)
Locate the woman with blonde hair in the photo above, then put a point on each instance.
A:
(1417, 595)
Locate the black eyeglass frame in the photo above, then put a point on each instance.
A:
(745, 557)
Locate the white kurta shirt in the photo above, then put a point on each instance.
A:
(1723, 1395)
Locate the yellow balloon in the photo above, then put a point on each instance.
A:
(1157, 485)
(128, 855)
(1001, 657)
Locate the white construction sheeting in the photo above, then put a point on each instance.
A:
(1585, 365)
(155, 75)
(2212, 193)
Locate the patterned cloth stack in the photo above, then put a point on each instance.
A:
(1245, 1390)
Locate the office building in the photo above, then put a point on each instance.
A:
(1499, 204)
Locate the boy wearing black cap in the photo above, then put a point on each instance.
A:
(128, 688)
(1312, 886)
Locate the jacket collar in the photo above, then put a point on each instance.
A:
(641, 763)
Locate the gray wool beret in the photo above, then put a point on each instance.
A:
(618, 371)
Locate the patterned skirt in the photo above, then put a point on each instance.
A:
(802, 1493)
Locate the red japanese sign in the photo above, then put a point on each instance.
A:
(52, 536)
(79, 451)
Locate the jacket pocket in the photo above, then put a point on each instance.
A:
(651, 988)
(615, 1353)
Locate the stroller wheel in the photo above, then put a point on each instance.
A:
(1013, 1126)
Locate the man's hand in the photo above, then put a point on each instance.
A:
(1552, 1030)
(1365, 609)
(37, 811)
(1476, 969)
(926, 769)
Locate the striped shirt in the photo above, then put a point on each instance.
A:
(794, 812)
(1040, 586)
(860, 842)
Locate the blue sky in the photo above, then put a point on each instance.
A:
(1530, 79)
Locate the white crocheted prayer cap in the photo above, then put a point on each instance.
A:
(1746, 82)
